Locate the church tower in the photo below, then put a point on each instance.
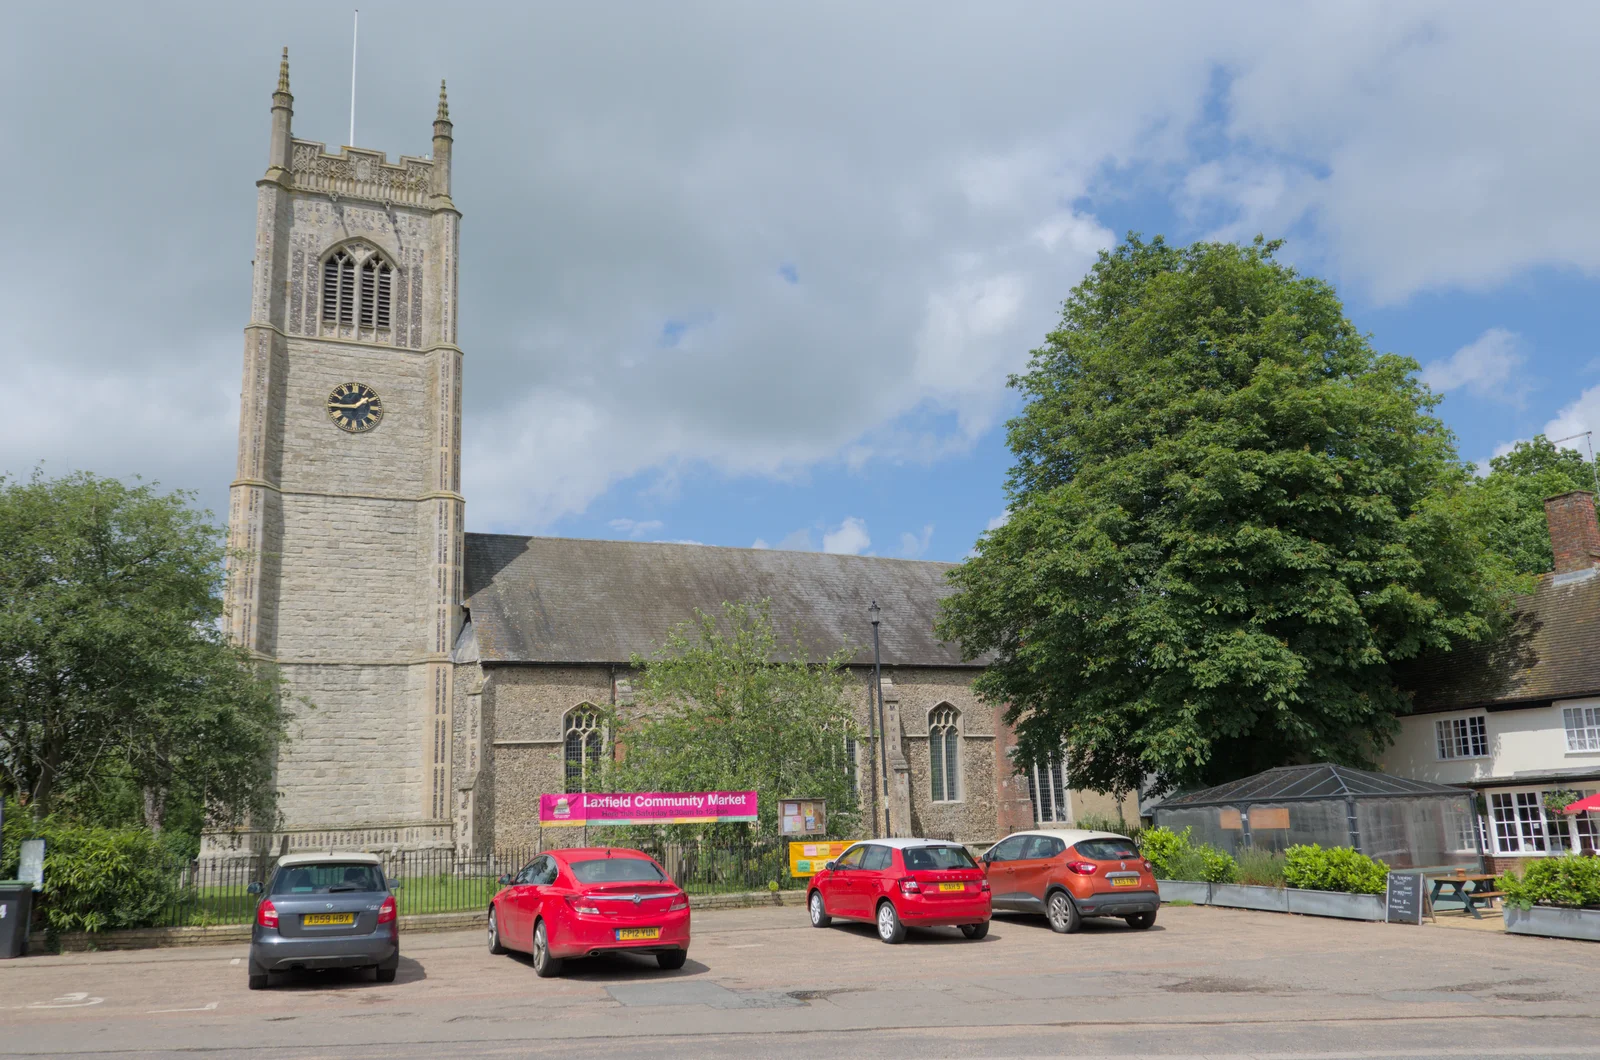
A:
(345, 518)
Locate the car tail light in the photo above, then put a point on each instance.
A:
(1149, 867)
(983, 887)
(581, 904)
(910, 886)
(680, 902)
(1082, 868)
(387, 911)
(267, 913)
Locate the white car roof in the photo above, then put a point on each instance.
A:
(291, 860)
(902, 843)
(1069, 836)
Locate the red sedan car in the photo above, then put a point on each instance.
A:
(901, 883)
(586, 901)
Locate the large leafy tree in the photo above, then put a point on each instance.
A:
(112, 668)
(1507, 504)
(725, 706)
(1229, 516)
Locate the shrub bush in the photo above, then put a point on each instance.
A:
(1314, 868)
(1571, 881)
(1174, 857)
(1261, 868)
(95, 879)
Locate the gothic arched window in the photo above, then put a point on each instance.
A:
(357, 289)
(944, 753)
(583, 738)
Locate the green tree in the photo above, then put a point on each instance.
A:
(1229, 516)
(725, 709)
(112, 668)
(1507, 504)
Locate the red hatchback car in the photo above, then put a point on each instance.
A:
(587, 901)
(901, 883)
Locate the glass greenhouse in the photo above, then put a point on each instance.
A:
(1406, 823)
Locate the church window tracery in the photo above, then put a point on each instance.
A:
(944, 753)
(357, 289)
(582, 745)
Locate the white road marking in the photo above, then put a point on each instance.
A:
(203, 1008)
(235, 961)
(68, 1001)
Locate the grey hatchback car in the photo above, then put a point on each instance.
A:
(325, 911)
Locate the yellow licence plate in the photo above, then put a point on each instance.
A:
(328, 918)
(952, 887)
(634, 934)
(1126, 881)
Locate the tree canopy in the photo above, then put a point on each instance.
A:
(114, 675)
(1507, 504)
(724, 709)
(1229, 516)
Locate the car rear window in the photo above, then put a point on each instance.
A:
(927, 859)
(617, 870)
(1107, 849)
(327, 879)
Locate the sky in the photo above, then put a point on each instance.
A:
(756, 274)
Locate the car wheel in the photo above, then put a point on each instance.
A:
(495, 946)
(671, 960)
(975, 931)
(890, 929)
(1063, 915)
(544, 965)
(1141, 921)
(259, 980)
(385, 975)
(819, 912)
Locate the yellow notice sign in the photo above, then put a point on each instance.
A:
(807, 859)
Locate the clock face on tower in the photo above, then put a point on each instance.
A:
(354, 407)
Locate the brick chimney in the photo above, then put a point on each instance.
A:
(1574, 532)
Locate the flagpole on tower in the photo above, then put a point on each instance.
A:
(355, 33)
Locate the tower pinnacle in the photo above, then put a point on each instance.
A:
(444, 104)
(283, 71)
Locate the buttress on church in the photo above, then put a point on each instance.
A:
(441, 681)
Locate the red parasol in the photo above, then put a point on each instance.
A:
(1591, 802)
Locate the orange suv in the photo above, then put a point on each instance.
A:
(1071, 874)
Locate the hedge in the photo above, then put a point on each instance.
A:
(1571, 881)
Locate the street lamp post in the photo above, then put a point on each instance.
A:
(883, 733)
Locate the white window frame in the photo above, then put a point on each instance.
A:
(1458, 738)
(1582, 725)
(1520, 825)
(1048, 778)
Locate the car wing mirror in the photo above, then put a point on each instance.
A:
(254, 888)
(505, 880)
(394, 884)
(830, 866)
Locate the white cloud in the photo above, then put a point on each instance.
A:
(637, 529)
(1487, 367)
(849, 538)
(1568, 427)
(759, 543)
(914, 545)
(1000, 520)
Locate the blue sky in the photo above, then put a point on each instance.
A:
(757, 274)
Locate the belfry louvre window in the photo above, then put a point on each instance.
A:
(1462, 737)
(944, 753)
(357, 294)
(584, 735)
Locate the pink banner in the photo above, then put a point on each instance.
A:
(648, 807)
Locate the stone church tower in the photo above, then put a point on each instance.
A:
(345, 518)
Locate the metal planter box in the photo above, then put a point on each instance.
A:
(1336, 903)
(1556, 923)
(1244, 896)
(1185, 891)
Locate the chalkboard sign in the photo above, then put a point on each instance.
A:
(1402, 901)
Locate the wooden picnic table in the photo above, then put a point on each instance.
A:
(1472, 889)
